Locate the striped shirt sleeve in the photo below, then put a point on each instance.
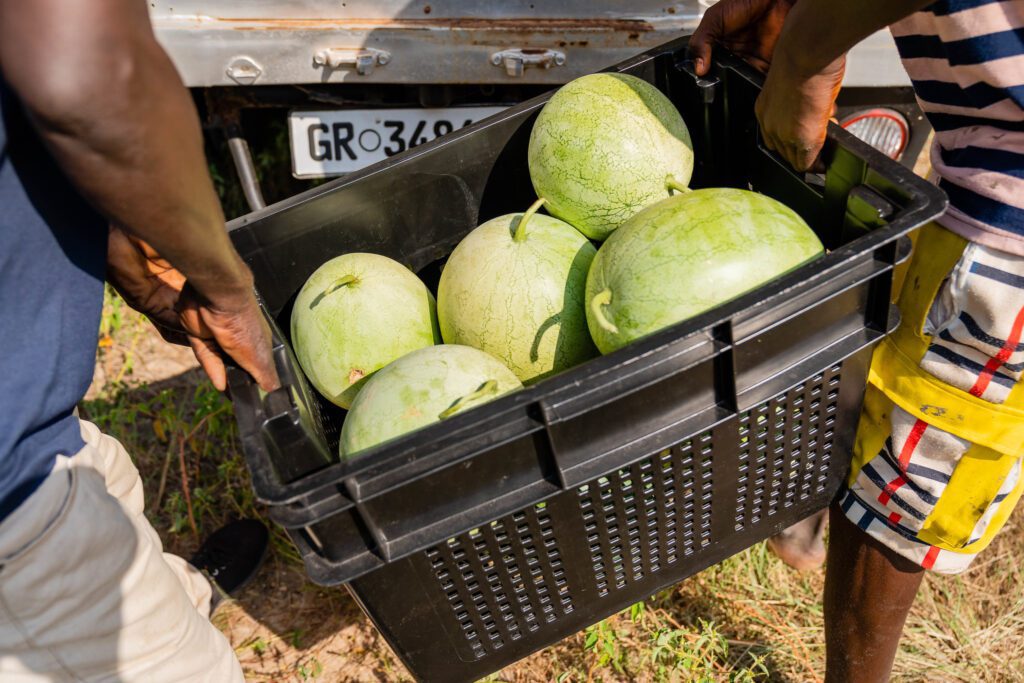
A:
(966, 61)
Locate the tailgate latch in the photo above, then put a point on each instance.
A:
(516, 61)
(363, 59)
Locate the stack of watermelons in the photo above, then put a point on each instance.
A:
(524, 296)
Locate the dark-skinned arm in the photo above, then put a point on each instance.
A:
(807, 69)
(748, 28)
(111, 107)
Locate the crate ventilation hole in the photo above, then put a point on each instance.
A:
(645, 516)
(503, 580)
(785, 449)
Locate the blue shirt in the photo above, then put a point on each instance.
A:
(52, 265)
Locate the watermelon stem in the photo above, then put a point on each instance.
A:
(335, 286)
(520, 233)
(488, 388)
(597, 304)
(671, 184)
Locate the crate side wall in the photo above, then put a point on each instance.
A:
(526, 580)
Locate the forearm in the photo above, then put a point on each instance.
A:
(818, 32)
(142, 164)
(124, 129)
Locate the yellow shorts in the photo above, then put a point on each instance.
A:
(937, 460)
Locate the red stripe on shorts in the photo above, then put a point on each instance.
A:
(929, 559)
(914, 438)
(890, 489)
(996, 362)
(895, 517)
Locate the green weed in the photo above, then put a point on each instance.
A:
(310, 669)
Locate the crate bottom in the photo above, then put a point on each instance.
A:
(484, 599)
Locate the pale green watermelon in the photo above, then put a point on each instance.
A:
(421, 388)
(514, 288)
(604, 147)
(688, 254)
(355, 314)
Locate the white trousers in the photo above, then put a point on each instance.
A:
(86, 591)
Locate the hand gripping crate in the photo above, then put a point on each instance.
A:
(501, 530)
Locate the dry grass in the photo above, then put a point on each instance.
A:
(749, 618)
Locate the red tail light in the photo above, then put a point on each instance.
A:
(884, 129)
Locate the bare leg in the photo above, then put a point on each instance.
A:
(868, 592)
(802, 546)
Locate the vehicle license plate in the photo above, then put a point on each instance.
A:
(327, 143)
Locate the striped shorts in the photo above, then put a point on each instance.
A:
(930, 494)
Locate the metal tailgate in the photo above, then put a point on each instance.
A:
(267, 42)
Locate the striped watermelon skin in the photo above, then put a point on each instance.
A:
(355, 314)
(686, 255)
(602, 149)
(419, 389)
(520, 300)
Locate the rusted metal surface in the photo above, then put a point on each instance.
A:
(404, 9)
(527, 24)
(216, 42)
(442, 41)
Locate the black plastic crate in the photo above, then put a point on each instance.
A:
(478, 540)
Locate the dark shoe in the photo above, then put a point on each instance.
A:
(231, 556)
(802, 546)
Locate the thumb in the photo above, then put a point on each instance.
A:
(260, 361)
(210, 360)
(709, 31)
